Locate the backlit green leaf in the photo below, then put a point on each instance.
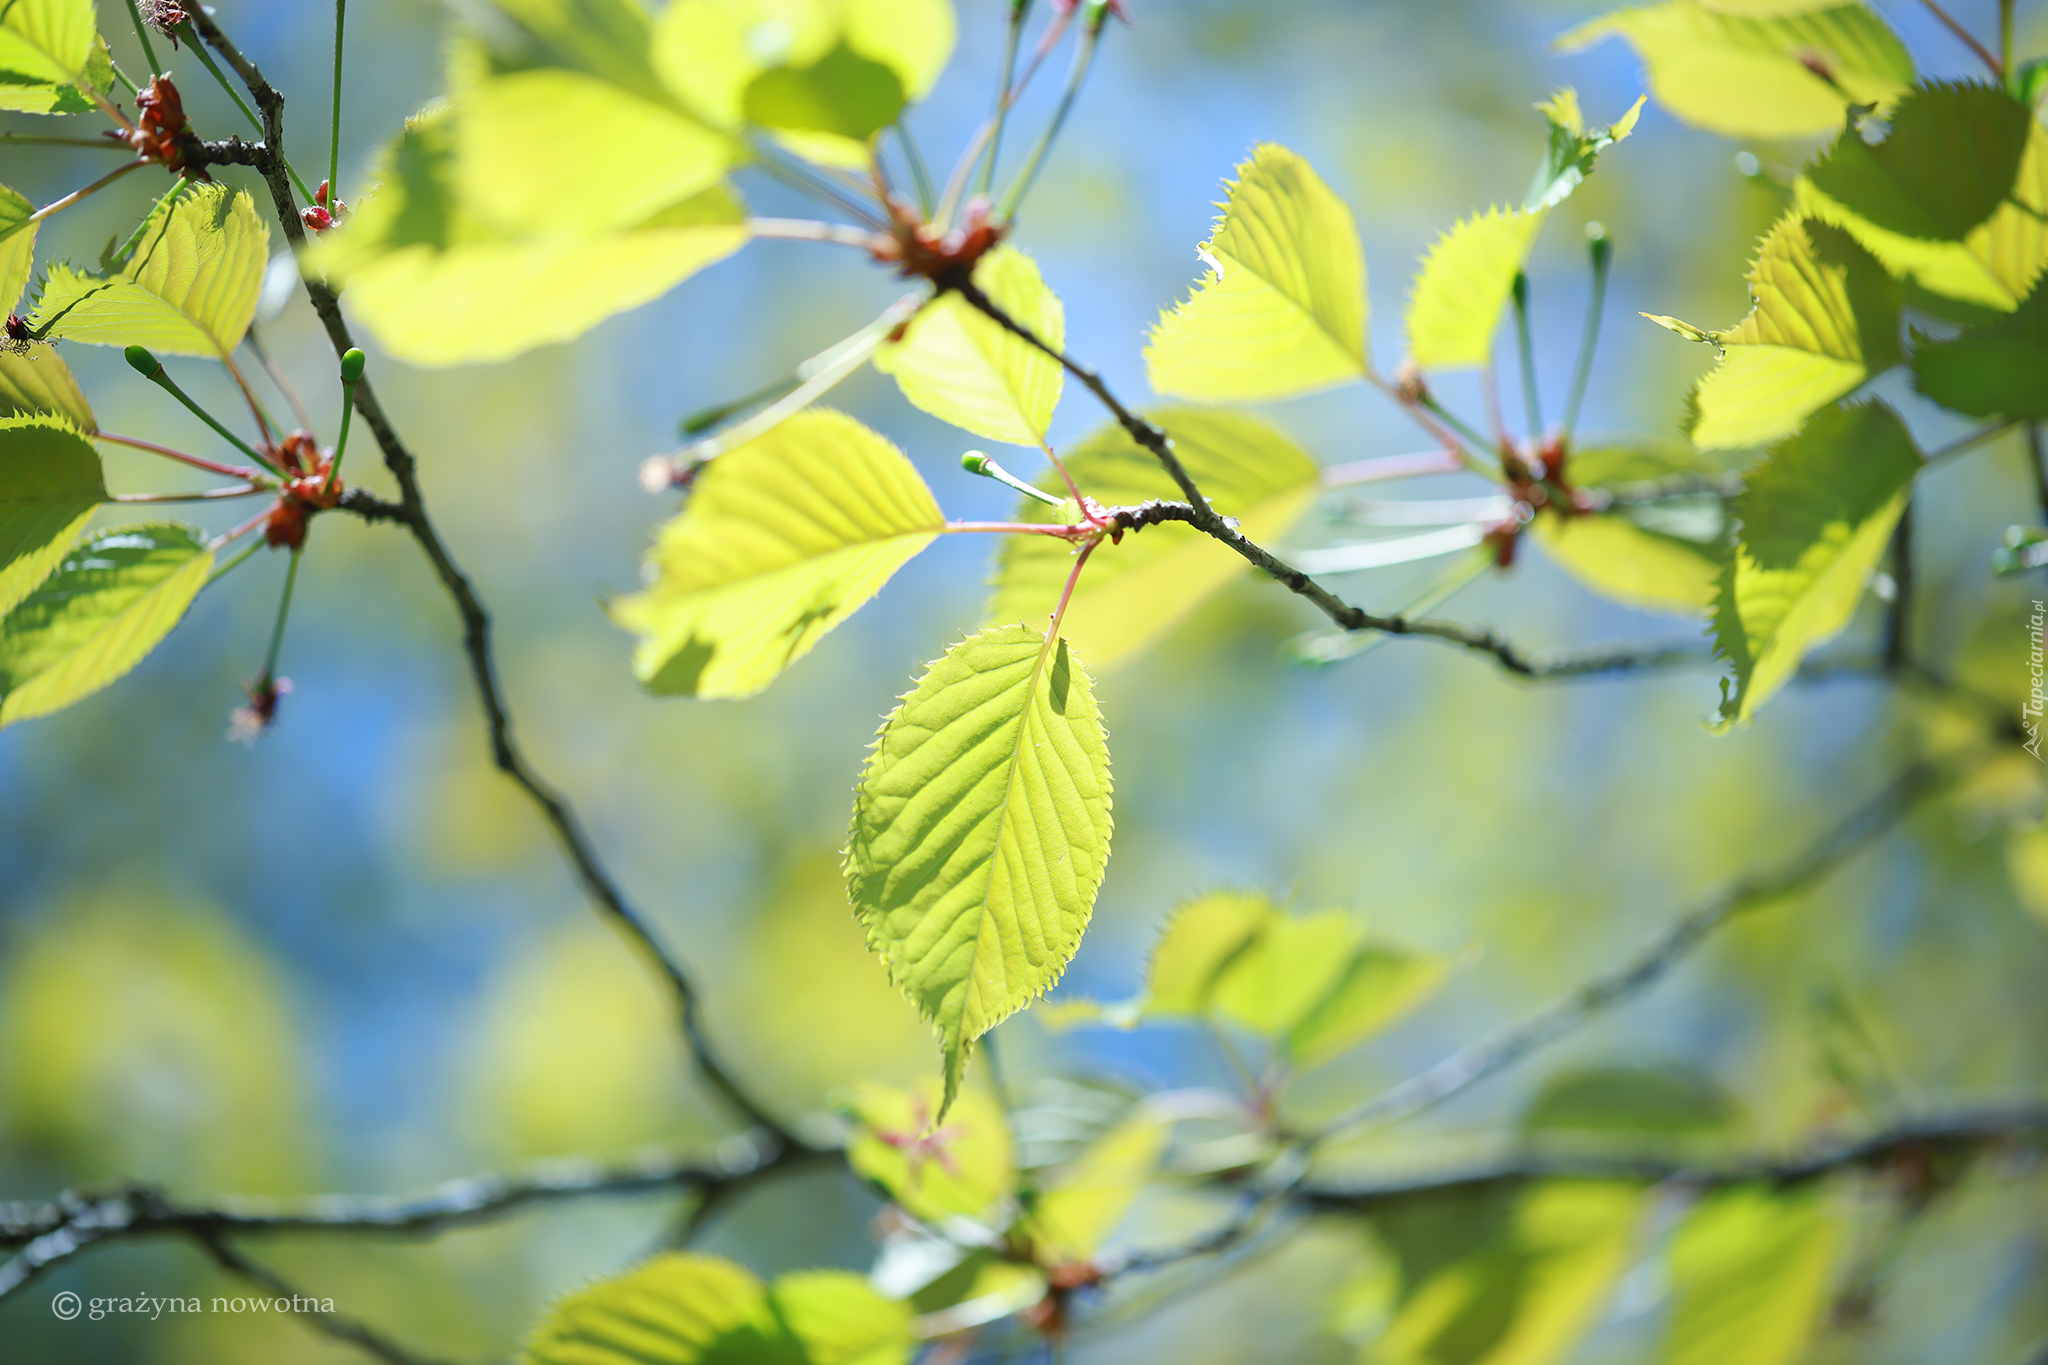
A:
(1135, 591)
(50, 482)
(1753, 74)
(963, 1169)
(1996, 263)
(1083, 1204)
(781, 540)
(838, 1318)
(112, 599)
(553, 153)
(1204, 936)
(40, 382)
(1663, 555)
(1282, 309)
(1630, 1102)
(1381, 984)
(44, 45)
(1950, 159)
(608, 39)
(440, 286)
(1280, 975)
(1497, 1276)
(842, 93)
(1995, 371)
(189, 289)
(981, 831)
(1464, 285)
(1572, 151)
(1750, 1271)
(1815, 521)
(957, 363)
(17, 246)
(1826, 319)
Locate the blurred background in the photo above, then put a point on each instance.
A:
(349, 958)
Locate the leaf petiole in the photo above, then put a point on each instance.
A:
(232, 471)
(152, 369)
(1601, 250)
(1084, 59)
(142, 36)
(1019, 9)
(974, 462)
(1531, 403)
(68, 200)
(334, 141)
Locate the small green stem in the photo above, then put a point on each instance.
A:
(919, 176)
(974, 462)
(284, 610)
(352, 362)
(1084, 58)
(68, 200)
(1461, 428)
(125, 79)
(1602, 252)
(142, 36)
(334, 143)
(240, 559)
(706, 418)
(38, 140)
(1020, 528)
(1530, 402)
(1018, 10)
(150, 368)
(1253, 1091)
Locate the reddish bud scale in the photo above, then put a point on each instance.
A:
(919, 250)
(161, 133)
(307, 490)
(316, 218)
(18, 335)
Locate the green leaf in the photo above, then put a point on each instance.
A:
(961, 1169)
(437, 285)
(1081, 1207)
(1750, 1272)
(686, 1309)
(46, 46)
(958, 364)
(551, 153)
(1277, 978)
(2000, 370)
(608, 39)
(805, 65)
(1203, 936)
(781, 540)
(1661, 556)
(1996, 263)
(1630, 1102)
(1282, 308)
(1136, 591)
(40, 382)
(50, 482)
(1815, 521)
(1464, 285)
(1572, 151)
(113, 598)
(1380, 985)
(17, 246)
(1753, 75)
(981, 831)
(1826, 319)
(1949, 161)
(190, 288)
(1497, 1276)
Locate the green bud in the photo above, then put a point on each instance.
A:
(1521, 289)
(1599, 245)
(145, 364)
(974, 462)
(352, 362)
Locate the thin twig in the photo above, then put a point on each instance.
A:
(1984, 54)
(339, 1326)
(1467, 1068)
(476, 622)
(805, 230)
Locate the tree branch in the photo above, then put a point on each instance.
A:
(1462, 1070)
(342, 1328)
(476, 621)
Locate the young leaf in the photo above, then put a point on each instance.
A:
(1503, 1277)
(781, 540)
(40, 382)
(1631, 1103)
(1282, 309)
(1275, 980)
(1756, 75)
(1826, 318)
(1660, 556)
(2000, 370)
(551, 153)
(1750, 1270)
(1996, 262)
(962, 1169)
(608, 39)
(1949, 161)
(1136, 591)
(1203, 937)
(838, 1318)
(1081, 1207)
(981, 831)
(17, 247)
(1572, 151)
(842, 94)
(190, 288)
(1464, 285)
(50, 482)
(1815, 521)
(958, 364)
(438, 286)
(1380, 984)
(112, 599)
(48, 52)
